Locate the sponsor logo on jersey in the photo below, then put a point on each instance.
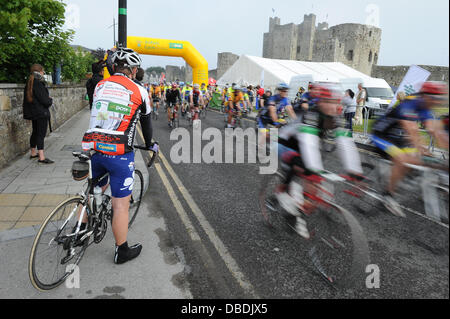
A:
(102, 116)
(118, 108)
(107, 147)
(101, 137)
(87, 146)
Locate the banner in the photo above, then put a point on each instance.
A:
(216, 101)
(412, 82)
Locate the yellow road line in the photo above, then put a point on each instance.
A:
(215, 240)
(209, 230)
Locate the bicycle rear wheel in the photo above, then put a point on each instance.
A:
(54, 246)
(339, 250)
(136, 197)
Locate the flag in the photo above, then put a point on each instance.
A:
(412, 82)
(262, 79)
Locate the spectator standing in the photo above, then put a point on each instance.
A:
(251, 95)
(139, 76)
(36, 104)
(360, 102)
(259, 96)
(349, 104)
(97, 76)
(265, 98)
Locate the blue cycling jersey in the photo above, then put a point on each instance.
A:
(409, 110)
(280, 103)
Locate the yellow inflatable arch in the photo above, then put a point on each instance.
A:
(175, 48)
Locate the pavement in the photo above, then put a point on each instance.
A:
(28, 193)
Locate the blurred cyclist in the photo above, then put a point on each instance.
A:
(299, 150)
(397, 135)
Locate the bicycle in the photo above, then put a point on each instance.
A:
(61, 229)
(203, 111)
(155, 113)
(175, 116)
(337, 245)
(237, 121)
(431, 180)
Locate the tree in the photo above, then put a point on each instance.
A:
(156, 69)
(75, 65)
(31, 32)
(99, 54)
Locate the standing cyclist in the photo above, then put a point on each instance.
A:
(118, 104)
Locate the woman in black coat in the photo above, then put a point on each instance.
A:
(36, 104)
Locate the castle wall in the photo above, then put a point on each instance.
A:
(395, 74)
(355, 45)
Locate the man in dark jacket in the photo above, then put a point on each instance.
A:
(97, 71)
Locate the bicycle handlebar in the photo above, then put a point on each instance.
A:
(154, 149)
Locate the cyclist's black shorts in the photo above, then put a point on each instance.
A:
(156, 99)
(171, 103)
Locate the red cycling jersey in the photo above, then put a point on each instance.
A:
(116, 108)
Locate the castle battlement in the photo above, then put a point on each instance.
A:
(356, 45)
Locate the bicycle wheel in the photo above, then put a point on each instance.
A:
(53, 249)
(204, 111)
(338, 247)
(136, 197)
(274, 217)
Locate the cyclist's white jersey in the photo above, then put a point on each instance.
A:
(118, 103)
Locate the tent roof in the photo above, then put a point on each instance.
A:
(249, 69)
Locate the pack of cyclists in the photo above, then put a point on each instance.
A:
(301, 123)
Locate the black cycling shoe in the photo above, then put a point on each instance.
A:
(124, 253)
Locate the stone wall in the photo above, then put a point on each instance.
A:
(15, 132)
(395, 74)
(225, 60)
(175, 72)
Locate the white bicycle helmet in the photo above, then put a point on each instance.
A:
(128, 57)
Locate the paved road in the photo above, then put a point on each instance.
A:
(231, 254)
(204, 237)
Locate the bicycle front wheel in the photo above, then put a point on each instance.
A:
(136, 197)
(339, 250)
(54, 251)
(203, 114)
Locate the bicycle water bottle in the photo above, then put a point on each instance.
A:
(98, 197)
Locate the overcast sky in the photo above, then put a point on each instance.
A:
(414, 31)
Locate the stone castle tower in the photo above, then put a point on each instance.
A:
(355, 45)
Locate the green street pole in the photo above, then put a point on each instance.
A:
(122, 23)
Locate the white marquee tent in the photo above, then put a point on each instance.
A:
(252, 70)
